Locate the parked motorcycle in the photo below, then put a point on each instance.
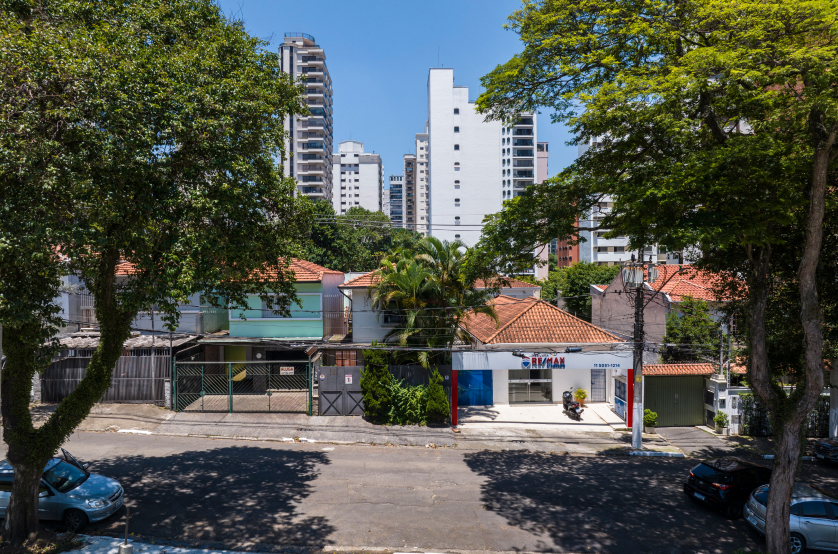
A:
(571, 407)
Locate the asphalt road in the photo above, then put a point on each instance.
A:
(246, 494)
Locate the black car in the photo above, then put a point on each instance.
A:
(725, 484)
(827, 449)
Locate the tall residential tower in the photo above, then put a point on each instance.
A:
(358, 178)
(310, 144)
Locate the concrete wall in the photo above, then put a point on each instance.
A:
(500, 386)
(365, 324)
(615, 313)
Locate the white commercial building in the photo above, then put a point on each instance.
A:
(474, 165)
(310, 144)
(358, 178)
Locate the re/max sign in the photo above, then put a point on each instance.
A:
(539, 362)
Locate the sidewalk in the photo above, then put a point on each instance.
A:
(559, 438)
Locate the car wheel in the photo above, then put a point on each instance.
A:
(734, 510)
(75, 520)
(797, 543)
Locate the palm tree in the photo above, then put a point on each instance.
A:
(429, 289)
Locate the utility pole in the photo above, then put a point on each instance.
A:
(637, 400)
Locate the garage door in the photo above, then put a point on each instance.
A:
(677, 400)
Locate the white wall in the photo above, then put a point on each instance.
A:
(365, 324)
(478, 156)
(500, 386)
(357, 178)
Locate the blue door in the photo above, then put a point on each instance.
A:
(474, 388)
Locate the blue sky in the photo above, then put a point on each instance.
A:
(379, 52)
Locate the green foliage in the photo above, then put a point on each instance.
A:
(721, 419)
(574, 284)
(438, 409)
(138, 142)
(376, 384)
(355, 241)
(650, 418)
(426, 291)
(408, 404)
(691, 333)
(580, 394)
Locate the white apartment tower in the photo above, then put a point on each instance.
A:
(474, 164)
(423, 181)
(396, 199)
(358, 178)
(310, 145)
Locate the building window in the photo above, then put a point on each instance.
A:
(456, 147)
(457, 202)
(456, 129)
(457, 186)
(456, 110)
(457, 220)
(456, 236)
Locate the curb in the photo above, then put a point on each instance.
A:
(657, 454)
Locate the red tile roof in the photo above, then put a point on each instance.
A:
(678, 369)
(361, 281)
(304, 271)
(689, 282)
(532, 321)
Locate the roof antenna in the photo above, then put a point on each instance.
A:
(437, 56)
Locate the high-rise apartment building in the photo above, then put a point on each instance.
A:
(310, 144)
(423, 179)
(409, 173)
(357, 177)
(600, 250)
(396, 200)
(474, 164)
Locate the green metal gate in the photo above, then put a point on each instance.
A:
(276, 386)
(677, 399)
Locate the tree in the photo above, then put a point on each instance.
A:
(716, 125)
(375, 384)
(137, 150)
(574, 284)
(427, 288)
(691, 333)
(354, 241)
(438, 409)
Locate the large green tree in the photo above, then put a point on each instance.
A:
(715, 124)
(354, 241)
(691, 332)
(137, 151)
(427, 292)
(573, 284)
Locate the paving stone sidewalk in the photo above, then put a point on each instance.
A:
(152, 420)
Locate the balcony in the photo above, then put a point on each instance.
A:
(526, 121)
(522, 153)
(520, 174)
(522, 142)
(522, 132)
(312, 191)
(522, 163)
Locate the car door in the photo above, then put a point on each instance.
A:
(816, 523)
(48, 502)
(5, 492)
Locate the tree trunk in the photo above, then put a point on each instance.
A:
(784, 470)
(30, 448)
(22, 513)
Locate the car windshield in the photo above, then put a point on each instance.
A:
(710, 474)
(64, 477)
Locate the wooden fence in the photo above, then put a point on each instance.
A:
(135, 378)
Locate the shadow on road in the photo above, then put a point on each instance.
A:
(606, 504)
(233, 495)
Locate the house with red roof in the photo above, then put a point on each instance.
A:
(613, 309)
(533, 353)
(368, 326)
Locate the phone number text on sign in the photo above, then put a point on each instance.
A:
(607, 365)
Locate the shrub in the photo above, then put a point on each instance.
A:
(650, 418)
(375, 385)
(438, 409)
(721, 419)
(580, 394)
(407, 404)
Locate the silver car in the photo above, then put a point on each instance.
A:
(813, 520)
(68, 493)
